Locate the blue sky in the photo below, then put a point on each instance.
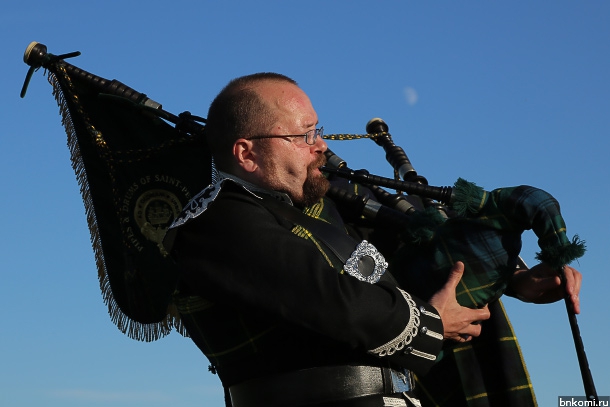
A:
(498, 93)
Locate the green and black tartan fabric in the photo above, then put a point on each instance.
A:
(486, 236)
(488, 371)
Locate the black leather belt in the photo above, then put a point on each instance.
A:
(316, 385)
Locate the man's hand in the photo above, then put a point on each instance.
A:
(541, 285)
(460, 323)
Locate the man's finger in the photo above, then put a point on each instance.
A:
(573, 280)
(471, 331)
(478, 315)
(455, 275)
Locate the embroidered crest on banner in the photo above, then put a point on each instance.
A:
(154, 212)
(148, 208)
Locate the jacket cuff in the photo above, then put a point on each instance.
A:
(418, 345)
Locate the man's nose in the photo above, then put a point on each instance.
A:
(320, 145)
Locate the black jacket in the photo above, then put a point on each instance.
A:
(259, 296)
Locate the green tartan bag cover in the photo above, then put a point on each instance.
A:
(486, 237)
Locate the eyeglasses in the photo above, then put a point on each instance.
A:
(310, 137)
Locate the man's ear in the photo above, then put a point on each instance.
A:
(244, 156)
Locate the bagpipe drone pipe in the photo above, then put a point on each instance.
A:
(438, 226)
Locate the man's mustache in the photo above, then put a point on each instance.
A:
(320, 162)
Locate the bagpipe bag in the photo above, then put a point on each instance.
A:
(486, 236)
(484, 232)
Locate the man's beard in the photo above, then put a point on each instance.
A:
(316, 184)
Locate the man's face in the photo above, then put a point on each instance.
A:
(289, 164)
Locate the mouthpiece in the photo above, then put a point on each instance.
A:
(333, 160)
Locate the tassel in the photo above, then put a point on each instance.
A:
(557, 257)
(468, 197)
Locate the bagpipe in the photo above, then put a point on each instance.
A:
(441, 225)
(138, 165)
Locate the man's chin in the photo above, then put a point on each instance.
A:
(314, 189)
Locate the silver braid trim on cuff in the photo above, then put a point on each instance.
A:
(434, 335)
(423, 310)
(421, 354)
(405, 338)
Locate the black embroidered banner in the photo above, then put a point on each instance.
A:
(136, 173)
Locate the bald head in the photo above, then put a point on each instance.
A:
(240, 110)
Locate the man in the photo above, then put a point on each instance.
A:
(270, 296)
